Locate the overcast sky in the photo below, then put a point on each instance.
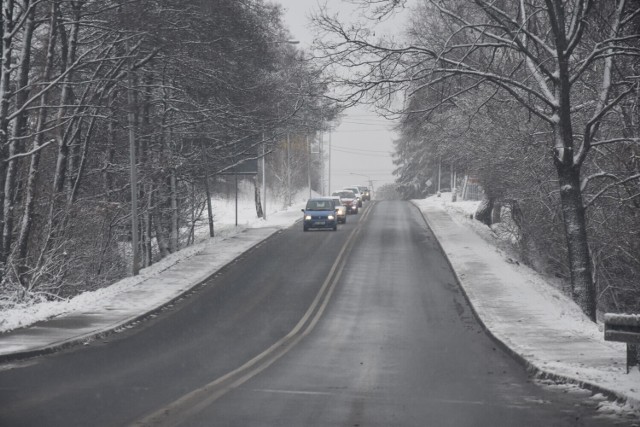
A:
(361, 146)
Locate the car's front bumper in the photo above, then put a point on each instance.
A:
(320, 223)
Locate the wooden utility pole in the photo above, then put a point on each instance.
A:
(133, 178)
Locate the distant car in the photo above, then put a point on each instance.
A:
(349, 199)
(357, 192)
(320, 213)
(341, 210)
(366, 194)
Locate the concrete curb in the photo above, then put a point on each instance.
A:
(531, 367)
(129, 321)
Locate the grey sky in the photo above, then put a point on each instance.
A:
(362, 144)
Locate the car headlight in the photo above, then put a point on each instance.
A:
(307, 217)
(330, 217)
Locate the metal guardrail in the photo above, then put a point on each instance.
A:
(624, 328)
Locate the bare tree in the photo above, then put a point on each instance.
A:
(557, 59)
(205, 77)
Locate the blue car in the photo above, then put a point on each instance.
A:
(320, 213)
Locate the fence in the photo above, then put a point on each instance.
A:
(471, 189)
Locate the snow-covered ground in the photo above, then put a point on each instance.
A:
(524, 310)
(224, 226)
(527, 311)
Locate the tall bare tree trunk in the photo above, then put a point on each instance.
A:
(159, 223)
(207, 191)
(7, 24)
(484, 210)
(256, 186)
(575, 225)
(148, 219)
(575, 228)
(65, 97)
(19, 129)
(107, 175)
(21, 250)
(58, 216)
(174, 243)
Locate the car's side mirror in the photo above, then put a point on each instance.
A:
(302, 210)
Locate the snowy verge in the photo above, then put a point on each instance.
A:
(26, 315)
(525, 311)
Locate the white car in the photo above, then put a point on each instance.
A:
(357, 192)
(341, 210)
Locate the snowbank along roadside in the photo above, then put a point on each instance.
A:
(524, 310)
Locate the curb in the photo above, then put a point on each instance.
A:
(533, 370)
(128, 322)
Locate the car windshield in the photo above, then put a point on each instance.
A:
(320, 205)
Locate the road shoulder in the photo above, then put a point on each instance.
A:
(539, 325)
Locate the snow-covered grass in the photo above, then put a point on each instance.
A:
(528, 311)
(35, 310)
(503, 236)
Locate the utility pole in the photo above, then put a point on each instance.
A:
(207, 189)
(309, 164)
(264, 180)
(288, 170)
(235, 176)
(439, 171)
(133, 177)
(321, 152)
(329, 177)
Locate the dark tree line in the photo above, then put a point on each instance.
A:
(539, 100)
(194, 87)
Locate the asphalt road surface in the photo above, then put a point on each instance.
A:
(365, 326)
